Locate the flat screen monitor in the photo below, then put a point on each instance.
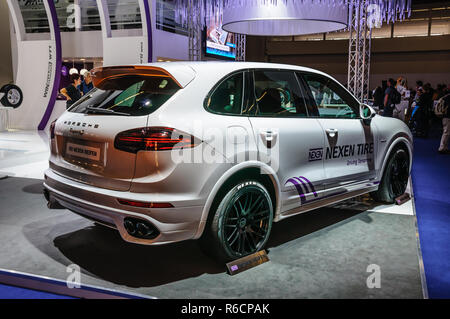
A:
(219, 43)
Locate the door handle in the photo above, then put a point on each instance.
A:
(269, 138)
(332, 132)
(269, 135)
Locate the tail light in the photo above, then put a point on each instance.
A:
(154, 139)
(144, 204)
(52, 129)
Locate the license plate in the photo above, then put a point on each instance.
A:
(83, 151)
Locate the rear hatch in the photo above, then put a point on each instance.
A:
(124, 97)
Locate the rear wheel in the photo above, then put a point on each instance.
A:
(395, 178)
(241, 224)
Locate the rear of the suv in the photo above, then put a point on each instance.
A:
(111, 157)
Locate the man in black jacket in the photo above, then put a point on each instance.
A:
(424, 112)
(389, 104)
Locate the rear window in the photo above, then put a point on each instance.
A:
(127, 95)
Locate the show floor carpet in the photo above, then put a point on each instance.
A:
(431, 177)
(10, 292)
(321, 254)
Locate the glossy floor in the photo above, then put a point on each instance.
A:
(24, 154)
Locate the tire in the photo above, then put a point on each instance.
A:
(241, 224)
(13, 96)
(395, 178)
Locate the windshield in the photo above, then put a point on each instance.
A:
(133, 95)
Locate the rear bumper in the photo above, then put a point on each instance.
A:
(174, 224)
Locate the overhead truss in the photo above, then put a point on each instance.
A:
(360, 38)
(240, 47)
(194, 31)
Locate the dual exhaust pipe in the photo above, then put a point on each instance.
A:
(51, 202)
(135, 227)
(140, 228)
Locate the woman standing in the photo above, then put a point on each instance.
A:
(71, 92)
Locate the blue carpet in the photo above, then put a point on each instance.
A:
(431, 183)
(10, 292)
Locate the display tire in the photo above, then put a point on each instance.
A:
(13, 96)
(241, 224)
(395, 178)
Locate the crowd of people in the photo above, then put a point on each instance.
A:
(79, 86)
(422, 107)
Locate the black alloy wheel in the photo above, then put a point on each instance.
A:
(395, 178)
(242, 222)
(399, 174)
(246, 221)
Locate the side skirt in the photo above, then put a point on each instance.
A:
(324, 202)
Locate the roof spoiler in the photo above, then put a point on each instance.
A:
(100, 75)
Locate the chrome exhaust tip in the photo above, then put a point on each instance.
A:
(129, 227)
(140, 228)
(143, 230)
(52, 203)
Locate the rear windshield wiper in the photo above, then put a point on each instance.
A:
(98, 110)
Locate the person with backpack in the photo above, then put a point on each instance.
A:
(391, 97)
(442, 110)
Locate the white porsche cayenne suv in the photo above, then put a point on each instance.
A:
(218, 151)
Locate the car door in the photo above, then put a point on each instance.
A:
(287, 136)
(350, 148)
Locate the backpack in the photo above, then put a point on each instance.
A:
(396, 97)
(441, 106)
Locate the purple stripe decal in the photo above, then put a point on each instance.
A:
(310, 185)
(149, 31)
(299, 189)
(51, 103)
(305, 187)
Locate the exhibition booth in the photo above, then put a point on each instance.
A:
(352, 247)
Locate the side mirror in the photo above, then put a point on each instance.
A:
(367, 113)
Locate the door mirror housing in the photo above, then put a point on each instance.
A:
(366, 112)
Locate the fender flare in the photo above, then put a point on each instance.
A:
(224, 178)
(395, 141)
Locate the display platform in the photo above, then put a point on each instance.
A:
(320, 254)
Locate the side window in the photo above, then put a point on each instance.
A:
(332, 100)
(277, 94)
(227, 96)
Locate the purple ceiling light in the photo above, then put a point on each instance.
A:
(285, 17)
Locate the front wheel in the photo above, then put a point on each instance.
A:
(395, 178)
(241, 224)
